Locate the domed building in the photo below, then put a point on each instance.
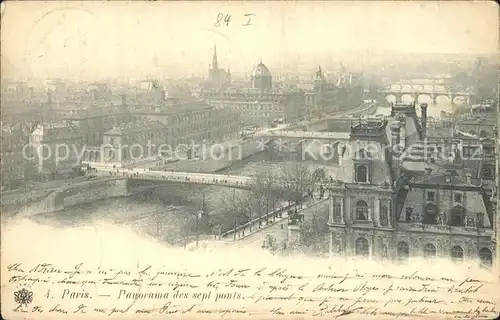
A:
(261, 77)
(261, 104)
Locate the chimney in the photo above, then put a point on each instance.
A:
(423, 110)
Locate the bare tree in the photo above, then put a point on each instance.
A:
(236, 210)
(297, 181)
(266, 190)
(244, 207)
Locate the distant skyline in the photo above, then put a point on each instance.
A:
(100, 40)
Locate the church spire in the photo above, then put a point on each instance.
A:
(215, 64)
(319, 73)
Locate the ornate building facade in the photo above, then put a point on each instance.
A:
(395, 200)
(260, 104)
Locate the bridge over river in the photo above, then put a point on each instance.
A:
(432, 91)
(128, 181)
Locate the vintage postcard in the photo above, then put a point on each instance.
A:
(249, 160)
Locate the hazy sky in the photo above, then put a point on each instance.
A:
(126, 39)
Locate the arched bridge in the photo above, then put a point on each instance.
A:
(53, 199)
(231, 181)
(119, 182)
(433, 91)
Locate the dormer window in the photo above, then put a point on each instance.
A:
(431, 196)
(458, 216)
(408, 212)
(361, 173)
(458, 197)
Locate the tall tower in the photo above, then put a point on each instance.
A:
(215, 64)
(320, 79)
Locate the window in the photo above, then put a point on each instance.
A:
(430, 214)
(384, 215)
(458, 197)
(470, 152)
(431, 196)
(429, 251)
(403, 251)
(361, 210)
(488, 151)
(361, 174)
(488, 173)
(480, 219)
(457, 253)
(409, 211)
(361, 154)
(362, 247)
(337, 211)
(485, 256)
(457, 216)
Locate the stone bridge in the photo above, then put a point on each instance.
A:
(126, 181)
(230, 181)
(53, 200)
(432, 91)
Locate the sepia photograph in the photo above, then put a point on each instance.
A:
(250, 159)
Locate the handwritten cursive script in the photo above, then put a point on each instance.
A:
(157, 290)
